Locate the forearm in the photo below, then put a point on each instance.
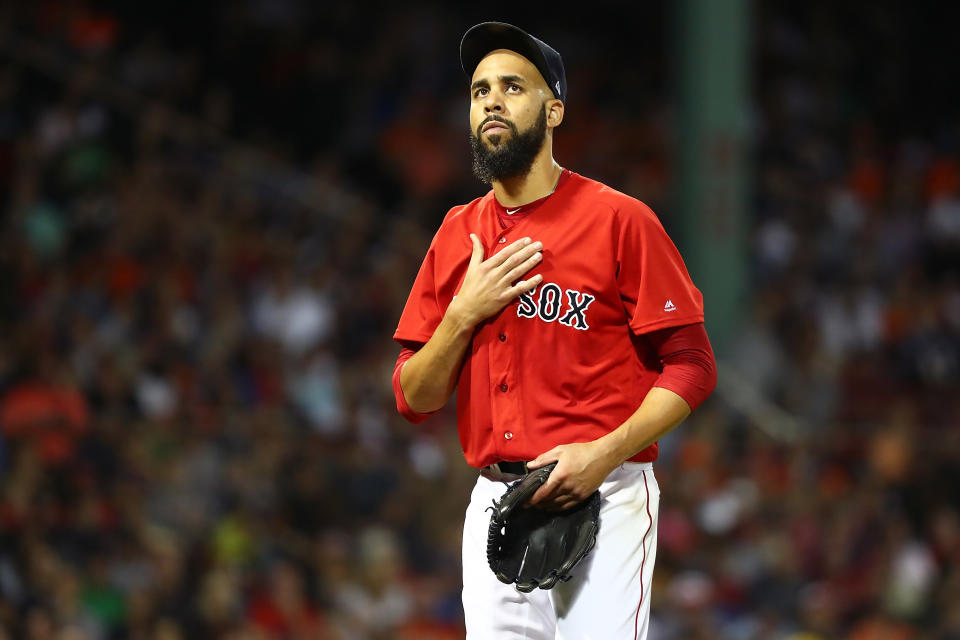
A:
(688, 369)
(582, 467)
(428, 378)
(660, 411)
(689, 375)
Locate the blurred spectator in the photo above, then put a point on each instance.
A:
(377, 603)
(210, 225)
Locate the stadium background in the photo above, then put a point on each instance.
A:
(212, 215)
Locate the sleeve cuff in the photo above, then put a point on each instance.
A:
(689, 367)
(409, 414)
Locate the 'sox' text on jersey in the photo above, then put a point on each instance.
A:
(548, 303)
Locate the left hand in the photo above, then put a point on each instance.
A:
(581, 468)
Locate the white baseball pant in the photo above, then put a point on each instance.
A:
(609, 595)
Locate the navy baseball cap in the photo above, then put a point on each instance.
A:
(481, 39)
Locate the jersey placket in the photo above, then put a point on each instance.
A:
(505, 410)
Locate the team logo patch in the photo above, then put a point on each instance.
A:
(551, 303)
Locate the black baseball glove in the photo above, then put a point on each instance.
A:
(536, 548)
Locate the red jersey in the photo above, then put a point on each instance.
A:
(565, 362)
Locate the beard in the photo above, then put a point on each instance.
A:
(510, 158)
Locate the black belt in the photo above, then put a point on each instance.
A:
(508, 468)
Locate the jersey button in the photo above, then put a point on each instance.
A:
(508, 435)
(503, 337)
(504, 387)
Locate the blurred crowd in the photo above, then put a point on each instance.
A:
(213, 215)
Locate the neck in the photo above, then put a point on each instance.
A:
(540, 181)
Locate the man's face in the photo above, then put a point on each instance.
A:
(508, 121)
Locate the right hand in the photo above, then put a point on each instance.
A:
(488, 285)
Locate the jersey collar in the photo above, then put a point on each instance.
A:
(530, 206)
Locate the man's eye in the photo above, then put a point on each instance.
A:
(480, 93)
(513, 87)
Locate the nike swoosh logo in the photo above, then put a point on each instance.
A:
(514, 211)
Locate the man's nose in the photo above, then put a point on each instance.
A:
(494, 104)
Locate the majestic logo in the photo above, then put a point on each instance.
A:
(669, 306)
(551, 301)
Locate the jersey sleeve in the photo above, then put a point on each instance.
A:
(654, 285)
(421, 313)
(437, 281)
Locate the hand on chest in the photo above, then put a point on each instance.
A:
(579, 281)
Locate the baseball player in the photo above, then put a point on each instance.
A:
(565, 319)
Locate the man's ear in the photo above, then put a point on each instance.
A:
(554, 112)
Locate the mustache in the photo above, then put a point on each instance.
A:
(496, 118)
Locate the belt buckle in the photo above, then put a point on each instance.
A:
(523, 463)
(500, 471)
